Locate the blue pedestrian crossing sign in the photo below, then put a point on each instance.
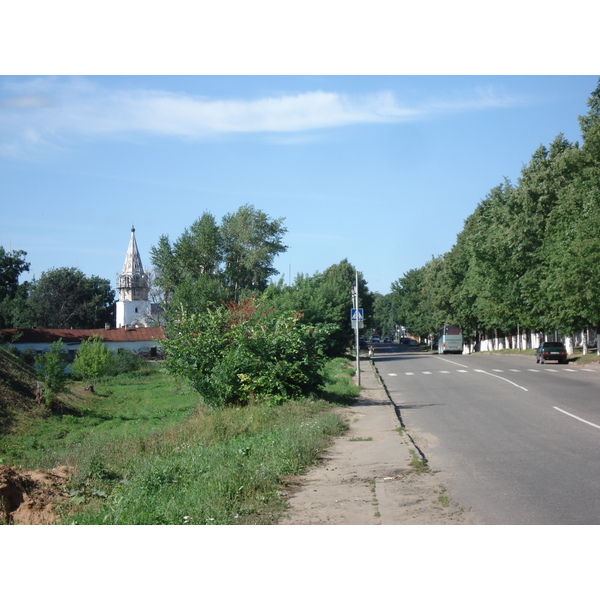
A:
(356, 314)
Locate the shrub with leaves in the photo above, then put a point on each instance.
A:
(51, 365)
(126, 361)
(93, 360)
(242, 352)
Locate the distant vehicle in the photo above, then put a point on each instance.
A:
(405, 340)
(450, 340)
(362, 343)
(551, 351)
(387, 340)
(374, 338)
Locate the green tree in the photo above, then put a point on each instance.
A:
(65, 297)
(211, 263)
(384, 313)
(251, 241)
(408, 296)
(325, 299)
(52, 368)
(12, 294)
(93, 360)
(188, 271)
(489, 275)
(528, 256)
(571, 253)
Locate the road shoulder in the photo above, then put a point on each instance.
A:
(371, 475)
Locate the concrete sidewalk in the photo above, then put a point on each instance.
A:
(366, 477)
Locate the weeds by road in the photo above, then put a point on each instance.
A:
(143, 451)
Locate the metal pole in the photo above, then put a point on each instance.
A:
(356, 324)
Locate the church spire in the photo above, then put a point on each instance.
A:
(133, 261)
(133, 282)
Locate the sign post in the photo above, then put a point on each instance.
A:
(356, 318)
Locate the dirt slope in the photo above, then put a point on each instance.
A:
(29, 497)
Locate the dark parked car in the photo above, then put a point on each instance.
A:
(551, 351)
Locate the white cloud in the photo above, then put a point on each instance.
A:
(53, 110)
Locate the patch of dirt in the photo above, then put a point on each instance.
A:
(29, 497)
(373, 474)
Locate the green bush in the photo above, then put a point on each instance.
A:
(52, 368)
(93, 360)
(242, 352)
(126, 361)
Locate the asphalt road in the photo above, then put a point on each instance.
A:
(517, 442)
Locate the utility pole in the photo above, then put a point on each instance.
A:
(356, 325)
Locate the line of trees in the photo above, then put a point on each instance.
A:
(528, 257)
(61, 298)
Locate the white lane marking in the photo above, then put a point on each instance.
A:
(392, 375)
(570, 370)
(515, 370)
(451, 361)
(409, 373)
(552, 370)
(498, 370)
(503, 379)
(576, 417)
(444, 371)
(426, 372)
(461, 371)
(534, 370)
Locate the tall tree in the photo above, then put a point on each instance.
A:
(572, 248)
(325, 299)
(251, 241)
(65, 297)
(210, 263)
(12, 293)
(408, 294)
(188, 272)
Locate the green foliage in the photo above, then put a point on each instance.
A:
(325, 299)
(66, 298)
(52, 368)
(123, 410)
(145, 453)
(211, 263)
(126, 361)
(93, 360)
(529, 254)
(244, 352)
(385, 313)
(250, 242)
(12, 294)
(191, 476)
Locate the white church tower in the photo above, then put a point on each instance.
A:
(133, 306)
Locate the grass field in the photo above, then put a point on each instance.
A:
(145, 452)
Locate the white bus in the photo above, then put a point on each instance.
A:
(450, 340)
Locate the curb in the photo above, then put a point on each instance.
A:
(398, 412)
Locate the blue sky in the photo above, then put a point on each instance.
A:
(380, 170)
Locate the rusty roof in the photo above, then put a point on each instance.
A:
(47, 336)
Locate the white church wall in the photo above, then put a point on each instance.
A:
(132, 313)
